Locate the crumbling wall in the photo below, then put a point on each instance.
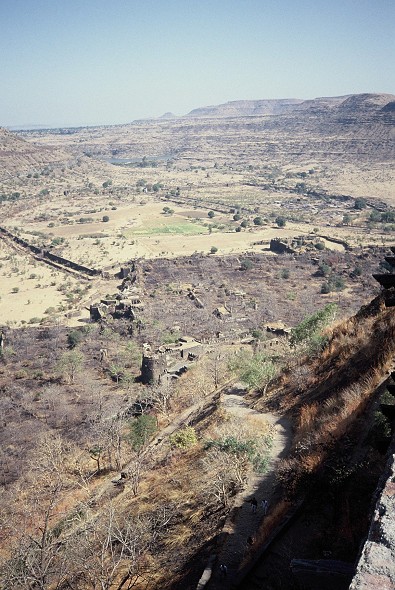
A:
(153, 366)
(48, 256)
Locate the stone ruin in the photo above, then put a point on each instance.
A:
(294, 245)
(169, 359)
(124, 304)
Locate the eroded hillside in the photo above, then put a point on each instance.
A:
(99, 487)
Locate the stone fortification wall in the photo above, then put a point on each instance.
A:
(376, 566)
(48, 256)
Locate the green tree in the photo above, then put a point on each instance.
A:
(70, 363)
(360, 203)
(96, 453)
(106, 218)
(313, 325)
(141, 430)
(280, 221)
(210, 214)
(258, 221)
(213, 249)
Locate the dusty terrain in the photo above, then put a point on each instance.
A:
(189, 206)
(98, 196)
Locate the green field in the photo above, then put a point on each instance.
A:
(169, 227)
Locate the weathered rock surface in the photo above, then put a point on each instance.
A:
(376, 566)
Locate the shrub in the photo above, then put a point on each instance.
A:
(324, 269)
(313, 324)
(360, 203)
(246, 264)
(257, 334)
(210, 214)
(213, 249)
(74, 338)
(184, 438)
(106, 218)
(338, 283)
(280, 221)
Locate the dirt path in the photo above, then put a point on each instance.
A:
(246, 523)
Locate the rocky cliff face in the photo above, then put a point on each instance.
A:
(376, 566)
(246, 108)
(338, 105)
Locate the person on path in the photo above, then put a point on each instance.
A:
(254, 504)
(224, 570)
(250, 541)
(264, 506)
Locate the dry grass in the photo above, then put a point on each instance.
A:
(340, 385)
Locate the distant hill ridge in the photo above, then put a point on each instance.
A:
(350, 103)
(16, 154)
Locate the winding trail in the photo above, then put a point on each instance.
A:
(242, 523)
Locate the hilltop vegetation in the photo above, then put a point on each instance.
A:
(120, 241)
(66, 521)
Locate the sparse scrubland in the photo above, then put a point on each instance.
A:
(93, 499)
(111, 484)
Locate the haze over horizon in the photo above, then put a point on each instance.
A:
(91, 62)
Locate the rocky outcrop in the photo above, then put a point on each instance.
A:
(376, 566)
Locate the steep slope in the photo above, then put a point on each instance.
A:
(16, 154)
(327, 483)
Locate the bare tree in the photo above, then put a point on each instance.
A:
(160, 397)
(112, 552)
(39, 557)
(225, 475)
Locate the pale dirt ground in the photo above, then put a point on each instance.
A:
(138, 229)
(129, 228)
(35, 295)
(129, 237)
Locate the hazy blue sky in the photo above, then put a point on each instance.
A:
(85, 62)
